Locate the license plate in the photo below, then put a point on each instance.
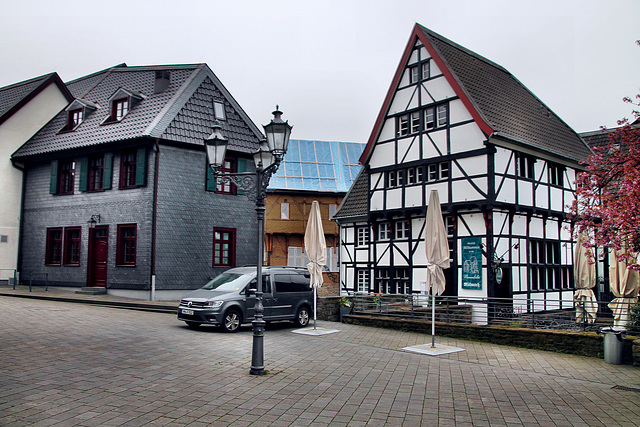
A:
(187, 312)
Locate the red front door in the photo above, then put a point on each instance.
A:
(98, 256)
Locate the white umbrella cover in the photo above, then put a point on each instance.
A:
(437, 247)
(585, 278)
(315, 247)
(624, 284)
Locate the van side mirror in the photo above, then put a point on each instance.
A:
(251, 291)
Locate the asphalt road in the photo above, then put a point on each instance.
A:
(74, 364)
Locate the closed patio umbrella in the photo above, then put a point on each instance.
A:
(624, 284)
(437, 247)
(316, 249)
(585, 278)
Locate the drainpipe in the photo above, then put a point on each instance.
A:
(21, 168)
(154, 213)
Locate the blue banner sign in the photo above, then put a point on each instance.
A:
(471, 263)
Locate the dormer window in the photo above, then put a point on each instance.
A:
(75, 118)
(77, 112)
(119, 109)
(121, 103)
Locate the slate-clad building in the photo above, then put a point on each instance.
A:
(504, 166)
(128, 154)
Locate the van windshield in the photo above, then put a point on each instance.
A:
(227, 282)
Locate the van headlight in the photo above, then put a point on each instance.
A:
(213, 304)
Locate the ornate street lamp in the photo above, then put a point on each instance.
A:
(267, 159)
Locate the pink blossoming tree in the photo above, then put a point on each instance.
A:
(607, 204)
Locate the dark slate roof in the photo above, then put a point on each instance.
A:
(12, 96)
(356, 202)
(183, 112)
(598, 138)
(506, 105)
(330, 166)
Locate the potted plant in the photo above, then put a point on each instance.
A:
(345, 306)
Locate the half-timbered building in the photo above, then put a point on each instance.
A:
(503, 163)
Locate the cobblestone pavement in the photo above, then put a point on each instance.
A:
(74, 364)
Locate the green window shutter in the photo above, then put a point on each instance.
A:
(242, 167)
(107, 171)
(141, 166)
(211, 179)
(53, 185)
(84, 172)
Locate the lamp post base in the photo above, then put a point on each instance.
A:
(257, 357)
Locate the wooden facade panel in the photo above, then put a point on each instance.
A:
(414, 196)
(466, 137)
(409, 149)
(505, 189)
(377, 201)
(434, 145)
(383, 155)
(439, 88)
(394, 199)
(542, 196)
(465, 191)
(459, 113)
(388, 131)
(469, 166)
(525, 193)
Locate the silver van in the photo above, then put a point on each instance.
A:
(228, 299)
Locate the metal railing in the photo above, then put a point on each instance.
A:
(537, 313)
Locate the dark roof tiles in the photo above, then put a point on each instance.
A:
(508, 107)
(183, 112)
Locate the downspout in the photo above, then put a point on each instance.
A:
(154, 214)
(16, 277)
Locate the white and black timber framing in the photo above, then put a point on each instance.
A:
(504, 166)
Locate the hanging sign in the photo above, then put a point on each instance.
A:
(471, 263)
(498, 275)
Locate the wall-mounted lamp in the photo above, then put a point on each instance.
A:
(95, 219)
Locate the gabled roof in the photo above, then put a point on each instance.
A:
(501, 105)
(15, 96)
(183, 112)
(356, 203)
(330, 166)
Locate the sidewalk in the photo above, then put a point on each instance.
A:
(55, 294)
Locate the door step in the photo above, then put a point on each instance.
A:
(92, 291)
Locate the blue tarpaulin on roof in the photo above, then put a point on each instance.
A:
(318, 166)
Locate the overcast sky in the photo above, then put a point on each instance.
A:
(329, 63)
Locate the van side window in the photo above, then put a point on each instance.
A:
(266, 285)
(291, 283)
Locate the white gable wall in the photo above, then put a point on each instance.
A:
(14, 132)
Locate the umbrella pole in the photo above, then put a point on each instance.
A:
(314, 306)
(433, 319)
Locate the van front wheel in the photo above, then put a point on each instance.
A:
(231, 321)
(302, 317)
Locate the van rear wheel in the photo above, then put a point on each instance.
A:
(231, 321)
(302, 317)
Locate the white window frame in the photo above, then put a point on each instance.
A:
(442, 115)
(284, 210)
(402, 229)
(415, 122)
(362, 281)
(362, 236)
(219, 110)
(426, 70)
(383, 231)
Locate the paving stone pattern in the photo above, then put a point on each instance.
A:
(72, 364)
